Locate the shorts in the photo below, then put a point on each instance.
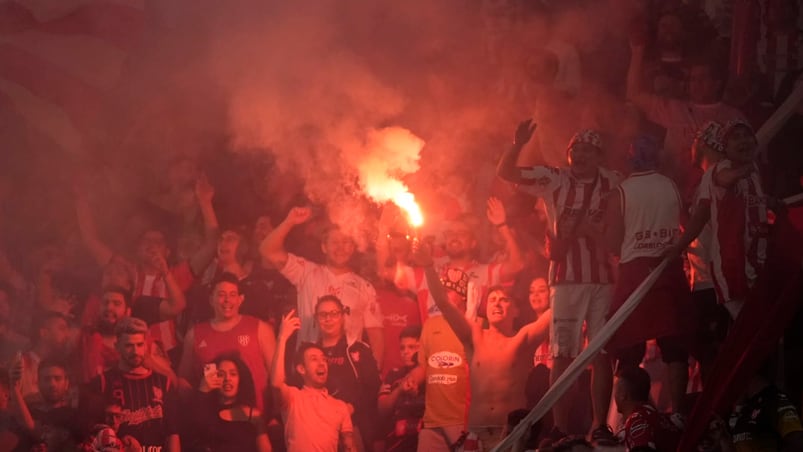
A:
(572, 305)
(483, 439)
(673, 349)
(713, 321)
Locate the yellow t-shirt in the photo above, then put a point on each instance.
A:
(447, 390)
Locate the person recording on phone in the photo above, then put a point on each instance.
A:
(313, 419)
(230, 332)
(222, 414)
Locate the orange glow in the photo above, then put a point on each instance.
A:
(393, 153)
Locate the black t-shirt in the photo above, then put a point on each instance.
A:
(203, 430)
(148, 403)
(58, 427)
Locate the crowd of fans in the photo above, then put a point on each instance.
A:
(208, 335)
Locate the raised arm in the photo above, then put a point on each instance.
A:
(89, 234)
(456, 319)
(698, 220)
(187, 364)
(267, 343)
(272, 248)
(204, 193)
(175, 302)
(537, 332)
(635, 71)
(507, 168)
(23, 414)
(290, 324)
(514, 263)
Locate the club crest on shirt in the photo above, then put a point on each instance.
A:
(244, 339)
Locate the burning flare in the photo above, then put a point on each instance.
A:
(391, 154)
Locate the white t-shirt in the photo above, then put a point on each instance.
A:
(314, 281)
(651, 212)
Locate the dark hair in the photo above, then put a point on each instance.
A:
(243, 245)
(45, 318)
(48, 363)
(500, 288)
(246, 392)
(637, 382)
(331, 298)
(229, 278)
(302, 349)
(120, 290)
(412, 331)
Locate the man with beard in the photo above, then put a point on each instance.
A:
(48, 418)
(146, 397)
(335, 277)
(96, 351)
(52, 342)
(461, 244)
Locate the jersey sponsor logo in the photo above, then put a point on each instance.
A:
(442, 379)
(445, 360)
(396, 320)
(244, 339)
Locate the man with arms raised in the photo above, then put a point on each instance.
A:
(335, 277)
(499, 359)
(313, 419)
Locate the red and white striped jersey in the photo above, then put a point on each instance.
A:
(651, 212)
(564, 195)
(740, 229)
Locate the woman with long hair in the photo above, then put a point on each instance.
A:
(222, 414)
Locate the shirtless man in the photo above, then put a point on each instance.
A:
(499, 359)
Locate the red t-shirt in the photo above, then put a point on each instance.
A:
(398, 312)
(242, 339)
(646, 427)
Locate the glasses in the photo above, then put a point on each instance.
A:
(334, 315)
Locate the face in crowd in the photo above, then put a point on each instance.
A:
(315, 368)
(53, 384)
(741, 144)
(132, 349)
(231, 379)
(584, 159)
(226, 300)
(409, 346)
(228, 247)
(329, 315)
(499, 307)
(338, 247)
(539, 295)
(113, 307)
(460, 240)
(152, 243)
